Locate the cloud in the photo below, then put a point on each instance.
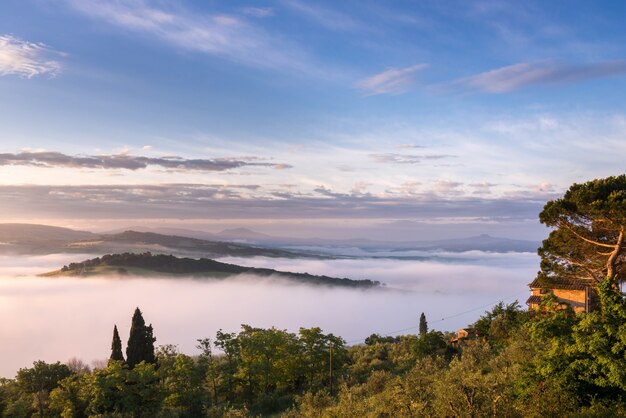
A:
(128, 162)
(26, 59)
(258, 11)
(513, 77)
(202, 201)
(391, 81)
(327, 18)
(360, 188)
(447, 188)
(406, 159)
(212, 34)
(482, 188)
(409, 146)
(282, 166)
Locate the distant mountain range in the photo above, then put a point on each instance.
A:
(481, 242)
(160, 265)
(239, 242)
(42, 239)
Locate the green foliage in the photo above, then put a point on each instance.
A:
(116, 346)
(498, 324)
(39, 380)
(551, 363)
(315, 357)
(184, 383)
(229, 344)
(598, 349)
(119, 390)
(72, 397)
(208, 364)
(473, 386)
(432, 343)
(587, 241)
(582, 357)
(140, 345)
(14, 402)
(376, 338)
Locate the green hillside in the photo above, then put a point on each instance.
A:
(151, 265)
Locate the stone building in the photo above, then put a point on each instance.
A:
(578, 293)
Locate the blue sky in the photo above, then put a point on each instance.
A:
(390, 118)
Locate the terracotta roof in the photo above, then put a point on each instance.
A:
(534, 299)
(568, 284)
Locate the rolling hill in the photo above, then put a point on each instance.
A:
(160, 265)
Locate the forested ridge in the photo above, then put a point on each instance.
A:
(549, 362)
(203, 267)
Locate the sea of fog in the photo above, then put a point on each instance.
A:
(58, 318)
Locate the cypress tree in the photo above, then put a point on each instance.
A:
(423, 324)
(116, 346)
(140, 342)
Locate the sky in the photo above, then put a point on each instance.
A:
(394, 119)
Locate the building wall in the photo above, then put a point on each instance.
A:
(575, 298)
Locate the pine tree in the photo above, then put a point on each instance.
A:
(423, 324)
(588, 233)
(140, 342)
(116, 346)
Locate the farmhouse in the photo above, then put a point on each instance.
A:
(578, 293)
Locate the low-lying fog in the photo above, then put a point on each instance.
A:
(56, 319)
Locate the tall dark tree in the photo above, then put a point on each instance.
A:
(588, 237)
(423, 324)
(116, 346)
(140, 342)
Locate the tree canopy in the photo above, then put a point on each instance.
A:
(588, 237)
(40, 380)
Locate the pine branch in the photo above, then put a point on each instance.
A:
(600, 244)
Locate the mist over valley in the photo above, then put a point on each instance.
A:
(59, 310)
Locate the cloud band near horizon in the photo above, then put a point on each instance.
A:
(51, 159)
(200, 201)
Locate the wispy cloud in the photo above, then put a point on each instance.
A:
(282, 166)
(406, 159)
(258, 11)
(328, 18)
(26, 59)
(482, 188)
(447, 188)
(513, 77)
(391, 81)
(128, 162)
(213, 34)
